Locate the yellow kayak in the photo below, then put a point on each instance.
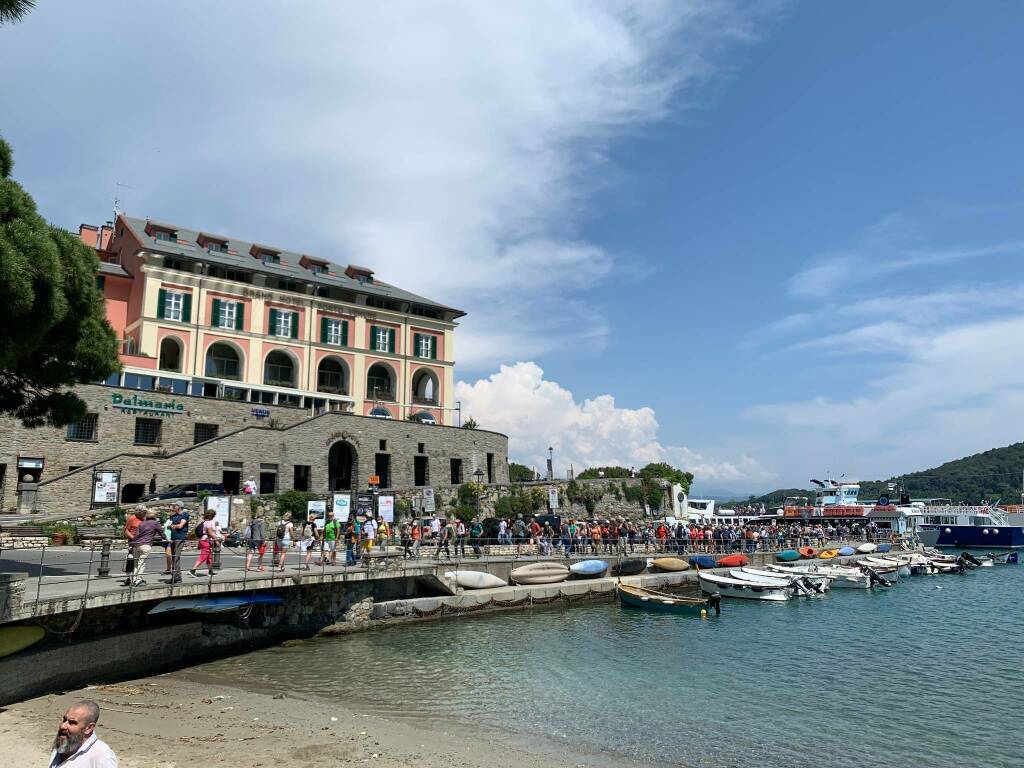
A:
(828, 554)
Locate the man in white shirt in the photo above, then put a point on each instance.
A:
(76, 744)
(369, 533)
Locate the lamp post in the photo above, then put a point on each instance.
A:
(551, 463)
(478, 475)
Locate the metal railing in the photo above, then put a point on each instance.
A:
(63, 574)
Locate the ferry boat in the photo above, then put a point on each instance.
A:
(971, 528)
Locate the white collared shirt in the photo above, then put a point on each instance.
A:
(92, 754)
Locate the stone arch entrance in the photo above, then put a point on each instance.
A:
(341, 466)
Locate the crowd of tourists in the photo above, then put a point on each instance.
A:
(319, 541)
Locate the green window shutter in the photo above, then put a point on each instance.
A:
(186, 308)
(295, 324)
(433, 347)
(272, 330)
(215, 320)
(239, 315)
(373, 338)
(161, 304)
(324, 323)
(391, 339)
(344, 333)
(416, 345)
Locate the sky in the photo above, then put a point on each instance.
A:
(759, 241)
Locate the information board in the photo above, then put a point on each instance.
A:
(341, 503)
(386, 508)
(106, 487)
(428, 500)
(317, 509)
(364, 505)
(221, 506)
(553, 497)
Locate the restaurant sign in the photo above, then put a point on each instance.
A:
(136, 404)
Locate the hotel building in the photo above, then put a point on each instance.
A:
(242, 360)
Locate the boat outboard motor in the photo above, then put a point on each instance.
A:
(876, 578)
(969, 560)
(818, 587)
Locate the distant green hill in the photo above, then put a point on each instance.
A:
(994, 474)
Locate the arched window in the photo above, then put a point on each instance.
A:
(330, 376)
(424, 388)
(223, 362)
(381, 413)
(424, 417)
(170, 354)
(279, 370)
(380, 383)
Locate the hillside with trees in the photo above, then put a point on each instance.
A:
(988, 476)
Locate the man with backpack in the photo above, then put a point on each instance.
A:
(447, 532)
(282, 540)
(460, 538)
(476, 533)
(255, 539)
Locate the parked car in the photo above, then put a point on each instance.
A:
(186, 491)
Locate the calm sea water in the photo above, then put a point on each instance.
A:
(926, 673)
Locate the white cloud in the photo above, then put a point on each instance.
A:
(450, 145)
(536, 413)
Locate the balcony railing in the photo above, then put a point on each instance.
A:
(421, 400)
(382, 394)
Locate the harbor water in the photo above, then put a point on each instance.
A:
(926, 673)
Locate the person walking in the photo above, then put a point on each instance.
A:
(282, 540)
(306, 543)
(447, 533)
(329, 545)
(351, 539)
(178, 520)
(383, 534)
(148, 532)
(417, 534)
(405, 536)
(368, 533)
(76, 744)
(476, 533)
(460, 538)
(168, 546)
(131, 525)
(256, 541)
(207, 533)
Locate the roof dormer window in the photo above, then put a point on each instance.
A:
(266, 255)
(362, 274)
(164, 236)
(213, 244)
(316, 266)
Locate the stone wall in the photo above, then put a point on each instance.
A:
(244, 445)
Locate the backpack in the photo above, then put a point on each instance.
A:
(199, 529)
(282, 529)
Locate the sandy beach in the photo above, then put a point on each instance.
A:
(169, 721)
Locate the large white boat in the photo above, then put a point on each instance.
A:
(727, 586)
(971, 528)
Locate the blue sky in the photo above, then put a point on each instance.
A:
(759, 241)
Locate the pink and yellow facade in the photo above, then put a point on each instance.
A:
(209, 315)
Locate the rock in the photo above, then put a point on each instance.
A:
(359, 616)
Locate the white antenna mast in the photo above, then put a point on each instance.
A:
(118, 186)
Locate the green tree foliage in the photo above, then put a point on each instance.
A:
(53, 326)
(293, 502)
(585, 494)
(518, 473)
(470, 423)
(13, 11)
(592, 473)
(663, 471)
(522, 501)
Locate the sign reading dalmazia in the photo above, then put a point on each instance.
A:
(136, 404)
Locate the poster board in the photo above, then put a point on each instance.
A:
(341, 503)
(428, 500)
(317, 509)
(106, 487)
(386, 508)
(553, 497)
(364, 505)
(221, 506)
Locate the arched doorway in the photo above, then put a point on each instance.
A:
(341, 466)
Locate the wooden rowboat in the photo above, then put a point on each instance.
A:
(663, 602)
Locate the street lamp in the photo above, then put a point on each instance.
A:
(551, 463)
(478, 476)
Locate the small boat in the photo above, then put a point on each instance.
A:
(474, 579)
(727, 586)
(663, 602)
(815, 582)
(630, 566)
(867, 548)
(540, 573)
(884, 547)
(840, 576)
(18, 638)
(218, 604)
(1004, 558)
(827, 554)
(788, 555)
(847, 551)
(807, 551)
(886, 566)
(588, 569)
(702, 561)
(733, 561)
(670, 564)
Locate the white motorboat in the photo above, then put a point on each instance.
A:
(727, 586)
(887, 566)
(840, 576)
(816, 583)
